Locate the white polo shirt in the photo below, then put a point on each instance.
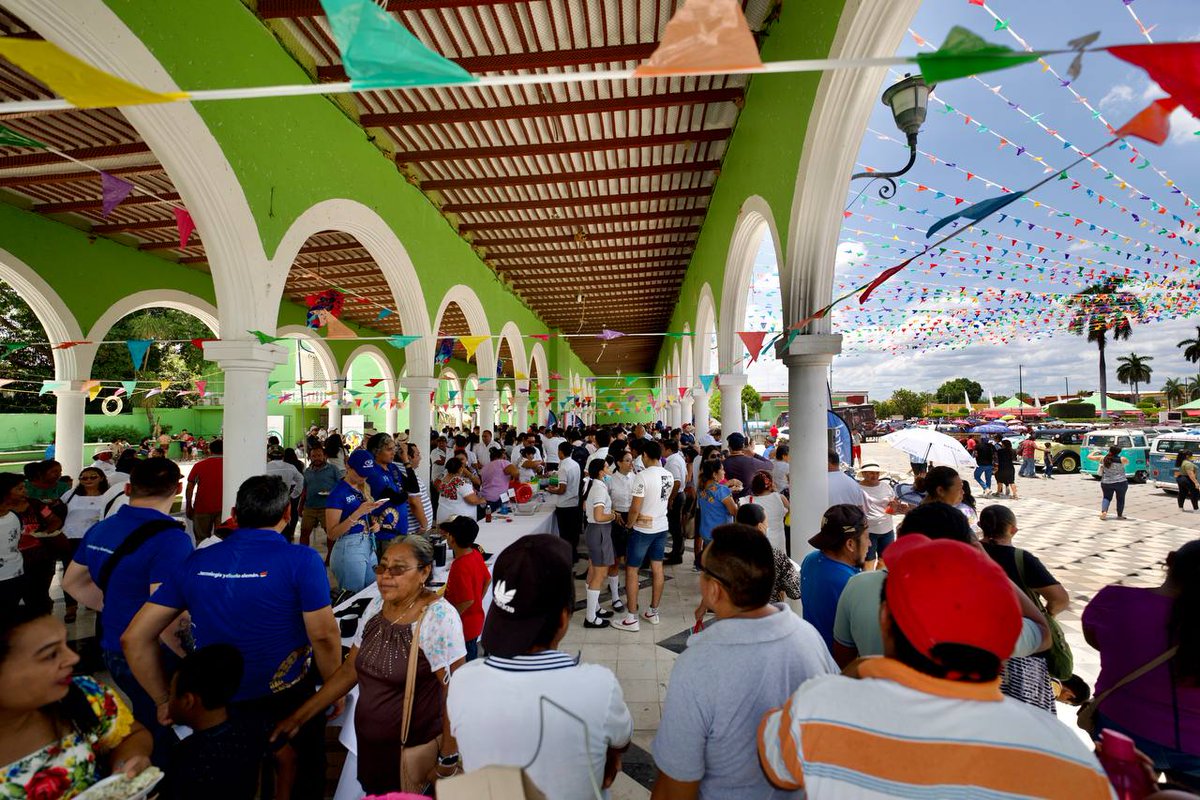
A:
(496, 715)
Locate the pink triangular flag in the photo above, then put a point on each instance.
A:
(682, 391)
(113, 190)
(184, 220)
(754, 342)
(200, 387)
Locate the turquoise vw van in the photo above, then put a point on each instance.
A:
(1134, 446)
(1162, 457)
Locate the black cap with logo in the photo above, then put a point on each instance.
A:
(531, 585)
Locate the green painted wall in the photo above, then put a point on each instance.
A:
(291, 153)
(764, 152)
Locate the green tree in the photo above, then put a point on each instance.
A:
(952, 391)
(1193, 388)
(1191, 347)
(910, 403)
(1175, 391)
(751, 403)
(27, 367)
(884, 409)
(1098, 310)
(1134, 370)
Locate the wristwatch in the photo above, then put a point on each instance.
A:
(450, 760)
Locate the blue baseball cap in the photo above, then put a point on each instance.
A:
(360, 460)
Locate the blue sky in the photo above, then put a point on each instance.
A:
(1009, 129)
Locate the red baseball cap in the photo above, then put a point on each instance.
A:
(940, 591)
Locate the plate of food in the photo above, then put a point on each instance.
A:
(119, 787)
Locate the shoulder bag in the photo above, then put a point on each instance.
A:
(1087, 714)
(1059, 658)
(417, 762)
(136, 538)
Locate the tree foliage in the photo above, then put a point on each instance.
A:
(910, 403)
(1099, 310)
(1176, 391)
(952, 391)
(1134, 370)
(18, 324)
(751, 402)
(1191, 347)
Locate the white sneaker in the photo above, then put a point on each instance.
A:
(651, 617)
(633, 626)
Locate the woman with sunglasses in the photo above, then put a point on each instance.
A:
(406, 610)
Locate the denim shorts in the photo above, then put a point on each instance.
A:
(645, 546)
(353, 561)
(879, 543)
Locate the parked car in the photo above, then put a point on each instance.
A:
(1163, 453)
(1064, 446)
(1134, 446)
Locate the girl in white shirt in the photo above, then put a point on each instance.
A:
(763, 493)
(597, 506)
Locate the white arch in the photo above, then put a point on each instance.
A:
(53, 314)
(378, 356)
(516, 347)
(686, 360)
(199, 308)
(706, 328)
(537, 362)
(182, 142)
(381, 242)
(754, 221)
(468, 302)
(836, 124)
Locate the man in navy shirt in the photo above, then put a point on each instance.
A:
(269, 599)
(152, 489)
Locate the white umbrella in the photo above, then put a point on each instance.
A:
(934, 447)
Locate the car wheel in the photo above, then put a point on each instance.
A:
(1068, 463)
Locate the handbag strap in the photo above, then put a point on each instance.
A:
(410, 681)
(1137, 673)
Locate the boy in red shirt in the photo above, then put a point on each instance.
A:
(469, 578)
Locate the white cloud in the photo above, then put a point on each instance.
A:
(1184, 127)
(1117, 96)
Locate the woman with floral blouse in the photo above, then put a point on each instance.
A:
(59, 733)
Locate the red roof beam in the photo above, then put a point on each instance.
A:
(587, 176)
(571, 222)
(574, 202)
(578, 146)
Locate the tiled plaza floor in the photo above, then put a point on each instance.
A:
(1058, 521)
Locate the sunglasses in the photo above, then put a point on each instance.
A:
(714, 576)
(395, 570)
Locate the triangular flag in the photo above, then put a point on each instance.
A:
(50, 386)
(265, 338)
(521, 376)
(471, 344)
(704, 35)
(452, 393)
(385, 312)
(201, 386)
(1152, 123)
(545, 337)
(608, 335)
(6, 381)
(373, 382)
(77, 81)
(137, 351)
(977, 211)
(127, 386)
(184, 221)
(963, 53)
(1174, 66)
(377, 50)
(401, 342)
(153, 392)
(13, 347)
(554, 376)
(10, 138)
(707, 381)
(682, 391)
(753, 341)
(164, 385)
(200, 342)
(334, 327)
(92, 388)
(113, 190)
(630, 380)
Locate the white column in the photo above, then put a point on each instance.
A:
(700, 409)
(807, 362)
(335, 412)
(68, 427)
(685, 410)
(420, 414)
(731, 402)
(489, 401)
(246, 365)
(392, 416)
(520, 401)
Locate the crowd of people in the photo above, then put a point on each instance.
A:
(926, 659)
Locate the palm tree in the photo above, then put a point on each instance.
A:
(1097, 310)
(1176, 391)
(1193, 388)
(1191, 347)
(1134, 369)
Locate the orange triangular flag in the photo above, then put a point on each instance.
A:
(754, 342)
(334, 327)
(704, 36)
(1152, 123)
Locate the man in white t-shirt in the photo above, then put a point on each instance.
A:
(552, 444)
(495, 705)
(481, 449)
(677, 466)
(568, 513)
(652, 488)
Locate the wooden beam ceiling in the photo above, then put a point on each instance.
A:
(575, 146)
(575, 202)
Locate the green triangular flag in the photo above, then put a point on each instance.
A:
(265, 338)
(964, 54)
(9, 349)
(631, 381)
(377, 50)
(10, 138)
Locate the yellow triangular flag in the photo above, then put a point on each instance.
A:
(521, 376)
(471, 344)
(92, 388)
(704, 35)
(164, 385)
(77, 81)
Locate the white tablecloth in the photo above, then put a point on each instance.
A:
(494, 536)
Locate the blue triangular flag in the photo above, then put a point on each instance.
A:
(385, 312)
(379, 51)
(137, 350)
(976, 212)
(707, 381)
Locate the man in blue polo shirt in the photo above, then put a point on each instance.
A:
(842, 545)
(148, 546)
(270, 599)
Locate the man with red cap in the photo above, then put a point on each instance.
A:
(928, 718)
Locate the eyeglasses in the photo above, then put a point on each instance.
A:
(714, 576)
(395, 570)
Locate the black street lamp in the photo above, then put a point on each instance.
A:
(909, 101)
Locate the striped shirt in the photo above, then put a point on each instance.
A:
(901, 733)
(414, 524)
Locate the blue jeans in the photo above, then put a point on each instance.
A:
(985, 483)
(1048, 467)
(1028, 468)
(1117, 489)
(472, 650)
(1185, 767)
(141, 704)
(353, 561)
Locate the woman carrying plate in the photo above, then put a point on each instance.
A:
(58, 734)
